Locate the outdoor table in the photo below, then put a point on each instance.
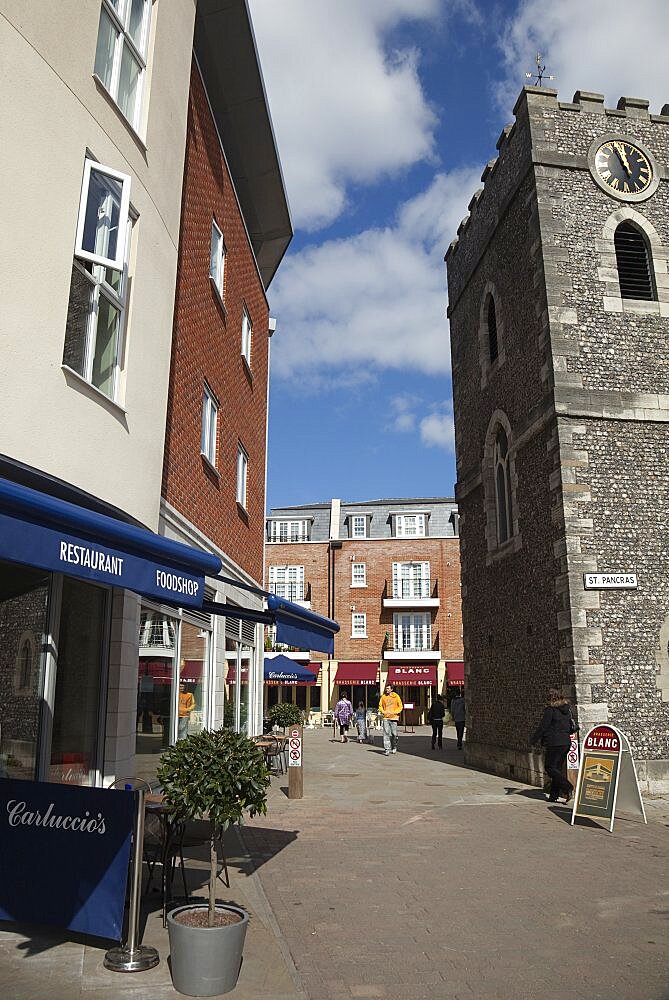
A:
(171, 837)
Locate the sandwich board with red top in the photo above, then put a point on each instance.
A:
(607, 779)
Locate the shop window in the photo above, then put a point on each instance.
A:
(23, 624)
(120, 55)
(301, 696)
(78, 703)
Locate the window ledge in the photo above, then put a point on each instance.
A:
(507, 548)
(242, 511)
(642, 307)
(219, 297)
(209, 465)
(359, 586)
(95, 393)
(247, 369)
(134, 134)
(359, 636)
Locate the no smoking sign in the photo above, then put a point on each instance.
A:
(294, 751)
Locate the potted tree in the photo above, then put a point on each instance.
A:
(216, 775)
(285, 714)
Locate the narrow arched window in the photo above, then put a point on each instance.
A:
(635, 272)
(502, 487)
(492, 330)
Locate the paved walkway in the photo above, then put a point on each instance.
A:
(413, 876)
(408, 877)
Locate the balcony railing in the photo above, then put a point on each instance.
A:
(402, 642)
(291, 591)
(417, 589)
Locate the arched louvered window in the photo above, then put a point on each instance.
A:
(492, 330)
(502, 487)
(635, 272)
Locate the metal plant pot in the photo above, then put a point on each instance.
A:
(206, 960)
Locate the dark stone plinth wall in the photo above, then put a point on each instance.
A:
(582, 386)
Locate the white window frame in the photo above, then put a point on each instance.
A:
(361, 580)
(411, 580)
(355, 521)
(119, 19)
(209, 425)
(407, 626)
(402, 522)
(242, 475)
(247, 334)
(287, 582)
(358, 625)
(116, 262)
(285, 526)
(217, 257)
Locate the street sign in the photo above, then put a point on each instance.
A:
(607, 777)
(572, 756)
(610, 581)
(295, 768)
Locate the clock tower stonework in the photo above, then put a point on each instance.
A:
(559, 309)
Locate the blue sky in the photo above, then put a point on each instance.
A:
(385, 113)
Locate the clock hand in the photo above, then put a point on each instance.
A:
(622, 156)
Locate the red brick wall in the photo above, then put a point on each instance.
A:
(443, 554)
(207, 346)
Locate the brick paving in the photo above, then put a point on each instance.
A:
(413, 876)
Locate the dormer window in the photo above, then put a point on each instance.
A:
(410, 525)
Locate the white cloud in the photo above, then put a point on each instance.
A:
(376, 300)
(403, 417)
(437, 430)
(590, 46)
(345, 109)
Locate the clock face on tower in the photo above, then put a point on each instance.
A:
(623, 168)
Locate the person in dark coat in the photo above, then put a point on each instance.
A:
(554, 734)
(436, 717)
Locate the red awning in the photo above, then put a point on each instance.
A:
(418, 673)
(232, 674)
(315, 666)
(357, 673)
(192, 670)
(455, 671)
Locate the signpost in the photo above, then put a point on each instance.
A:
(295, 770)
(408, 707)
(607, 777)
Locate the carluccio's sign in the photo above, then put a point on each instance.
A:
(607, 778)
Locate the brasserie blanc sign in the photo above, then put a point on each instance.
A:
(79, 838)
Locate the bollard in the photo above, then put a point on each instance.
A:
(295, 769)
(132, 956)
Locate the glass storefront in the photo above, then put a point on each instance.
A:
(172, 685)
(54, 633)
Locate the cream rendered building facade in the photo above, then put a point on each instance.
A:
(94, 93)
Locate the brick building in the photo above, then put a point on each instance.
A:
(559, 307)
(389, 572)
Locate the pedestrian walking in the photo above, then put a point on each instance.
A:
(436, 717)
(458, 713)
(361, 721)
(343, 714)
(554, 734)
(390, 706)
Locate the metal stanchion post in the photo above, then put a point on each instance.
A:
(134, 957)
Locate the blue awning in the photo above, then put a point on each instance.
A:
(295, 625)
(282, 670)
(52, 534)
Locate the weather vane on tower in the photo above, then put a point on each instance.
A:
(540, 73)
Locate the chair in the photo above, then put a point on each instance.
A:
(327, 719)
(163, 840)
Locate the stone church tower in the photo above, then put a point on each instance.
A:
(559, 308)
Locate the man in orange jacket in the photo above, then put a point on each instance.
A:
(390, 707)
